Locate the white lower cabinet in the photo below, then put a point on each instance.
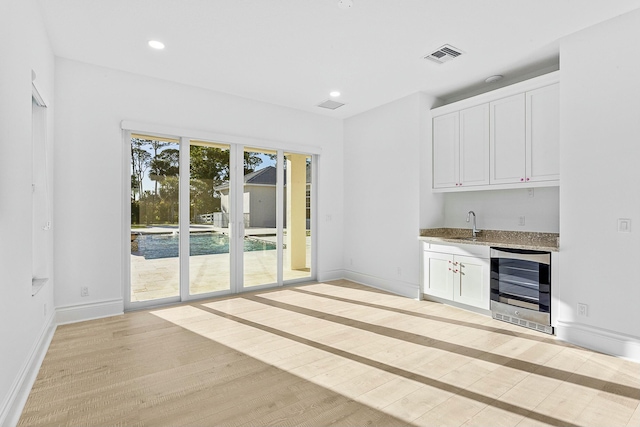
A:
(471, 281)
(451, 274)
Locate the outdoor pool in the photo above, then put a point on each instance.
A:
(154, 246)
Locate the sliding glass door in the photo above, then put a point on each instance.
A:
(155, 218)
(260, 217)
(209, 210)
(297, 208)
(210, 219)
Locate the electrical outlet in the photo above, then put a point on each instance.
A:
(350, 261)
(399, 272)
(84, 291)
(531, 192)
(624, 225)
(583, 310)
(521, 220)
(45, 309)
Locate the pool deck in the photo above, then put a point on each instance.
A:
(159, 278)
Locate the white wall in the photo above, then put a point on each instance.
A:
(599, 160)
(431, 204)
(502, 209)
(92, 101)
(262, 205)
(24, 328)
(382, 182)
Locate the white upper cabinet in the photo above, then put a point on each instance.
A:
(508, 150)
(525, 136)
(543, 134)
(474, 146)
(446, 148)
(461, 145)
(502, 139)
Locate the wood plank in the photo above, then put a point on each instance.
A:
(322, 354)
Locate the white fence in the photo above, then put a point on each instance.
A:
(220, 219)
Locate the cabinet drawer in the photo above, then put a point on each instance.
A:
(461, 249)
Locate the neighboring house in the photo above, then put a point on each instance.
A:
(259, 202)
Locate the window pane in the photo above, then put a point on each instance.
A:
(259, 214)
(154, 218)
(297, 209)
(209, 259)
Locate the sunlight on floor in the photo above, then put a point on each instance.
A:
(448, 366)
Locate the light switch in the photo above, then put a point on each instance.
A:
(624, 225)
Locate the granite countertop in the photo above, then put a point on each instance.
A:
(497, 238)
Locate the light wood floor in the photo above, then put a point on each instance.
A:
(332, 353)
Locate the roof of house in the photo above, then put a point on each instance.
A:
(264, 176)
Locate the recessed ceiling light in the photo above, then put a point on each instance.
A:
(493, 79)
(334, 94)
(345, 4)
(156, 44)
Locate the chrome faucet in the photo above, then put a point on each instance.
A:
(474, 230)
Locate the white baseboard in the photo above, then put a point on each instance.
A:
(405, 289)
(12, 407)
(327, 276)
(457, 305)
(90, 311)
(602, 340)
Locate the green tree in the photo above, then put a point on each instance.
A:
(203, 198)
(169, 191)
(213, 163)
(166, 163)
(251, 162)
(140, 161)
(209, 163)
(209, 168)
(146, 207)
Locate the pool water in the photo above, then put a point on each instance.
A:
(154, 246)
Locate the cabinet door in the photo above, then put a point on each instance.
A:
(543, 134)
(471, 281)
(474, 146)
(446, 141)
(438, 274)
(507, 135)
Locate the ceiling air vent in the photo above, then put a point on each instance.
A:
(444, 54)
(330, 104)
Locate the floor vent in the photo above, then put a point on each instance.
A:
(521, 322)
(444, 54)
(330, 104)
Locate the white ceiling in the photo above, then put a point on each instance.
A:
(294, 52)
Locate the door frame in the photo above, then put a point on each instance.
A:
(236, 146)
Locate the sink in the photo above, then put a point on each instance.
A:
(468, 239)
